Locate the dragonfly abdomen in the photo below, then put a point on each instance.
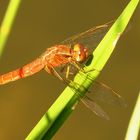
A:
(22, 72)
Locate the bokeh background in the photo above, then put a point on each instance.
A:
(40, 24)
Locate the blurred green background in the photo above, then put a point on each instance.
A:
(39, 25)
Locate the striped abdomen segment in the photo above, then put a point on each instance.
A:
(22, 72)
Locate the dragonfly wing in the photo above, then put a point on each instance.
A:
(90, 37)
(104, 93)
(89, 103)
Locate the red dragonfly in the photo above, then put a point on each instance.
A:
(73, 51)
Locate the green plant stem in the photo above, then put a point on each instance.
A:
(8, 22)
(134, 124)
(66, 102)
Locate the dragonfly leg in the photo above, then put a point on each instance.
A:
(87, 62)
(77, 65)
(65, 80)
(67, 72)
(93, 69)
(52, 71)
(82, 70)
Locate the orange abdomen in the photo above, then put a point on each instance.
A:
(22, 72)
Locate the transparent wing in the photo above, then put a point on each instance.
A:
(99, 91)
(102, 92)
(91, 37)
(89, 103)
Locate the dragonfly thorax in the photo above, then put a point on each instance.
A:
(79, 53)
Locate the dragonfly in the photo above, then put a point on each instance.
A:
(72, 51)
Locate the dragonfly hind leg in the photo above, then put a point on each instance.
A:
(52, 71)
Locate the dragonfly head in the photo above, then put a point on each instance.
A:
(80, 53)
